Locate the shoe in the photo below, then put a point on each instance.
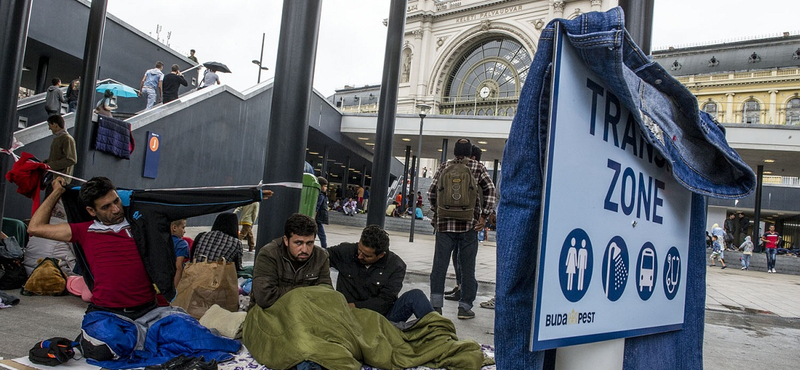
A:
(488, 304)
(713, 265)
(465, 314)
(199, 363)
(455, 289)
(454, 297)
(438, 310)
(724, 267)
(175, 363)
(774, 272)
(744, 268)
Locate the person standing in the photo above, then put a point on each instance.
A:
(322, 211)
(460, 210)
(747, 252)
(248, 217)
(54, 98)
(72, 94)
(210, 78)
(173, 82)
(63, 155)
(192, 57)
(744, 227)
(719, 233)
(151, 85)
(731, 230)
(771, 241)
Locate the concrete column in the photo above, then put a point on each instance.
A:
(288, 120)
(387, 108)
(41, 74)
(91, 64)
(773, 108)
(14, 19)
(422, 72)
(757, 211)
(494, 171)
(729, 108)
(346, 177)
(444, 150)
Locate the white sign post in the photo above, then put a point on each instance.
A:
(615, 223)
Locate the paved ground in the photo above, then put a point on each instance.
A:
(752, 318)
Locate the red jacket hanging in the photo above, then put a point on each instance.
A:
(27, 173)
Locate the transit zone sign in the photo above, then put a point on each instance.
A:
(615, 224)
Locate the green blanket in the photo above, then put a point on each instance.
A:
(316, 324)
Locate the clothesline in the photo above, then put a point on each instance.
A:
(288, 184)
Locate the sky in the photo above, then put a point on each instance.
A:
(352, 37)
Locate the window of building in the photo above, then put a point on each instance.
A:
(710, 108)
(793, 112)
(509, 112)
(501, 64)
(751, 112)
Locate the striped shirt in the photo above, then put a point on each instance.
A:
(489, 198)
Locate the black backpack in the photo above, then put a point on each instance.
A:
(12, 271)
(456, 192)
(52, 352)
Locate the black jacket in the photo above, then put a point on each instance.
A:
(375, 288)
(322, 209)
(150, 212)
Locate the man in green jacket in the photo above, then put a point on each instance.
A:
(289, 262)
(62, 150)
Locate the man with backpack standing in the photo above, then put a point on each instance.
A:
(462, 196)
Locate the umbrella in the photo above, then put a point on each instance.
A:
(118, 89)
(217, 66)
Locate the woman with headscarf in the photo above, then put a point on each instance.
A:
(106, 105)
(747, 252)
(221, 242)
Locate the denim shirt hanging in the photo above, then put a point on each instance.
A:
(692, 143)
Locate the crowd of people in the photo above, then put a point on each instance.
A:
(734, 236)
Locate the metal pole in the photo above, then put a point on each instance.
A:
(261, 56)
(387, 108)
(288, 119)
(444, 150)
(91, 63)
(639, 21)
(324, 168)
(346, 177)
(494, 172)
(757, 206)
(364, 176)
(14, 19)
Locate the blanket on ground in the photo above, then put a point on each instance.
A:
(316, 324)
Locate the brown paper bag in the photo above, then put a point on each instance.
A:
(204, 284)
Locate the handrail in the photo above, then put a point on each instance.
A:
(38, 98)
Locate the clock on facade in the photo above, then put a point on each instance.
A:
(485, 92)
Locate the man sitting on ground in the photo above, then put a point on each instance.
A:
(126, 262)
(371, 276)
(289, 262)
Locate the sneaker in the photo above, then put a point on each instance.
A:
(488, 304)
(452, 291)
(724, 267)
(744, 268)
(454, 297)
(465, 314)
(438, 310)
(774, 272)
(175, 363)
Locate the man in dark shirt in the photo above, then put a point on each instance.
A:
(370, 276)
(172, 82)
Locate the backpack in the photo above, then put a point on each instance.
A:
(12, 270)
(52, 352)
(46, 279)
(456, 192)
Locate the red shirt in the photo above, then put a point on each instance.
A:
(772, 240)
(120, 279)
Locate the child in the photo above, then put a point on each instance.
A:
(747, 248)
(177, 228)
(717, 252)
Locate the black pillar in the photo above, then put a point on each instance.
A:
(413, 197)
(639, 21)
(387, 107)
(288, 120)
(41, 74)
(757, 206)
(364, 176)
(346, 177)
(405, 179)
(494, 172)
(324, 168)
(444, 151)
(14, 19)
(91, 62)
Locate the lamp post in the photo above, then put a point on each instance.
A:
(260, 58)
(423, 111)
